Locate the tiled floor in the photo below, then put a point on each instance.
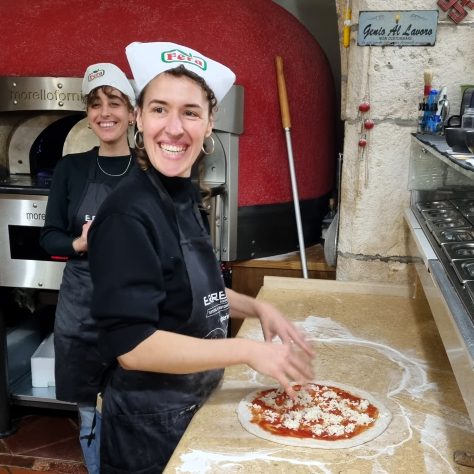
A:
(43, 440)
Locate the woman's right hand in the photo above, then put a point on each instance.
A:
(286, 363)
(79, 244)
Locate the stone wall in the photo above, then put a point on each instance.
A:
(374, 192)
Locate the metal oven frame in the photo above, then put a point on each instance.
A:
(49, 99)
(35, 103)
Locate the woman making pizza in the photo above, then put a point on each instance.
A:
(80, 184)
(159, 297)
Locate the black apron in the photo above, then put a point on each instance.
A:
(144, 414)
(78, 364)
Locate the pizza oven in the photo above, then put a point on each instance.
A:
(43, 118)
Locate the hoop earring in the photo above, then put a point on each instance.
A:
(213, 147)
(138, 137)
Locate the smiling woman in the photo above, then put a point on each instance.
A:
(159, 296)
(81, 182)
(175, 119)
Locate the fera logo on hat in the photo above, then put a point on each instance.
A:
(148, 60)
(107, 74)
(177, 56)
(95, 74)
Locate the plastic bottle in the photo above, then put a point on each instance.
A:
(429, 123)
(444, 109)
(467, 120)
(421, 113)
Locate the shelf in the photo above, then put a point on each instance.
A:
(432, 170)
(452, 162)
(22, 393)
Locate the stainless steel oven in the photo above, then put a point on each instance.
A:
(24, 263)
(42, 118)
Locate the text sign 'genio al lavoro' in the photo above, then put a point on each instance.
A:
(397, 28)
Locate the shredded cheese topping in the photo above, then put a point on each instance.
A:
(326, 412)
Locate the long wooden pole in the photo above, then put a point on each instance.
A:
(286, 122)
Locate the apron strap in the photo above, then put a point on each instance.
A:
(91, 436)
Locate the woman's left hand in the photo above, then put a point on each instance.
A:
(275, 324)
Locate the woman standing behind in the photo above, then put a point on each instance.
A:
(80, 184)
(159, 296)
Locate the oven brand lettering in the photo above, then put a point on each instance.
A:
(177, 56)
(35, 216)
(213, 297)
(43, 94)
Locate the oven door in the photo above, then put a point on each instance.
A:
(23, 263)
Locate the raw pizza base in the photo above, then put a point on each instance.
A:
(244, 414)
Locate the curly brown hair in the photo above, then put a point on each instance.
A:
(107, 90)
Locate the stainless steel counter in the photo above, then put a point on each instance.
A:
(451, 315)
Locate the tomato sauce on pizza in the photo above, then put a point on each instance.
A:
(319, 412)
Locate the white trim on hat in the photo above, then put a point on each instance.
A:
(107, 74)
(147, 60)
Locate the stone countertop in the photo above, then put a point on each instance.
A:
(375, 337)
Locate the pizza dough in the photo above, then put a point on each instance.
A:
(245, 415)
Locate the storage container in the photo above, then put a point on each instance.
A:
(467, 120)
(42, 364)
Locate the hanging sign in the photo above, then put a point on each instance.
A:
(397, 28)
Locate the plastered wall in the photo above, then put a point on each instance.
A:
(373, 235)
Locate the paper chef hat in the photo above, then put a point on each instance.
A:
(147, 60)
(107, 74)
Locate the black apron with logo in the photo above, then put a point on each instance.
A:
(144, 414)
(78, 364)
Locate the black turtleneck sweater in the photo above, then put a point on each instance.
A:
(69, 182)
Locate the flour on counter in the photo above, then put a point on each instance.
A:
(411, 396)
(431, 438)
(202, 462)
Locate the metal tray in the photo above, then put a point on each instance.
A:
(426, 206)
(459, 251)
(463, 203)
(448, 223)
(464, 269)
(467, 211)
(453, 235)
(432, 214)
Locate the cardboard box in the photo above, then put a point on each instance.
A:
(42, 364)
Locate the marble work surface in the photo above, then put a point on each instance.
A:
(378, 338)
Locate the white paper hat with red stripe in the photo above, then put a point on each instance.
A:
(107, 74)
(147, 60)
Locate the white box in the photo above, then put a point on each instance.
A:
(42, 364)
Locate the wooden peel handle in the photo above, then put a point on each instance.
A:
(284, 108)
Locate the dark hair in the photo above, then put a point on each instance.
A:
(107, 90)
(180, 71)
